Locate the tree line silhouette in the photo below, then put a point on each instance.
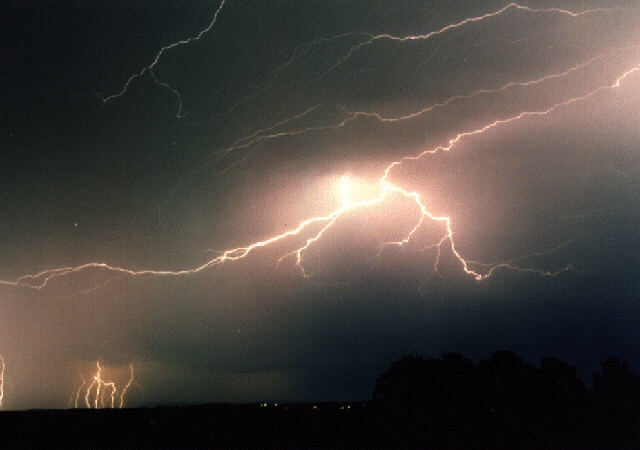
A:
(505, 400)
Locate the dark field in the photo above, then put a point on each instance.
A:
(296, 426)
(194, 426)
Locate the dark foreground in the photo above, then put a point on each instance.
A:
(449, 402)
(348, 425)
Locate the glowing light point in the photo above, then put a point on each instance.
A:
(345, 189)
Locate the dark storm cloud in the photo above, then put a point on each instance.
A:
(128, 183)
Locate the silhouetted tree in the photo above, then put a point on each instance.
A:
(435, 386)
(563, 401)
(433, 398)
(506, 401)
(616, 384)
(510, 386)
(561, 380)
(456, 389)
(402, 383)
(616, 392)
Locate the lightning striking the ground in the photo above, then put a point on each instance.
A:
(78, 393)
(1, 380)
(100, 386)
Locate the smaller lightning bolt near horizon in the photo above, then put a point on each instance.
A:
(2, 364)
(79, 391)
(102, 392)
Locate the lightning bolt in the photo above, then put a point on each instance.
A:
(1, 379)
(303, 49)
(297, 54)
(453, 26)
(41, 279)
(387, 188)
(126, 387)
(156, 60)
(78, 392)
(99, 387)
(268, 133)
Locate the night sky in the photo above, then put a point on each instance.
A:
(520, 132)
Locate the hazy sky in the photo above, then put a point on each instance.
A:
(509, 221)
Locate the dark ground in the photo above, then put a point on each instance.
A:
(286, 426)
(193, 426)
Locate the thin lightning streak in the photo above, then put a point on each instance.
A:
(302, 50)
(479, 92)
(531, 255)
(511, 265)
(298, 53)
(126, 387)
(157, 58)
(96, 391)
(84, 382)
(446, 28)
(239, 144)
(262, 136)
(97, 381)
(306, 47)
(259, 135)
(40, 280)
(2, 380)
(173, 90)
(508, 120)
